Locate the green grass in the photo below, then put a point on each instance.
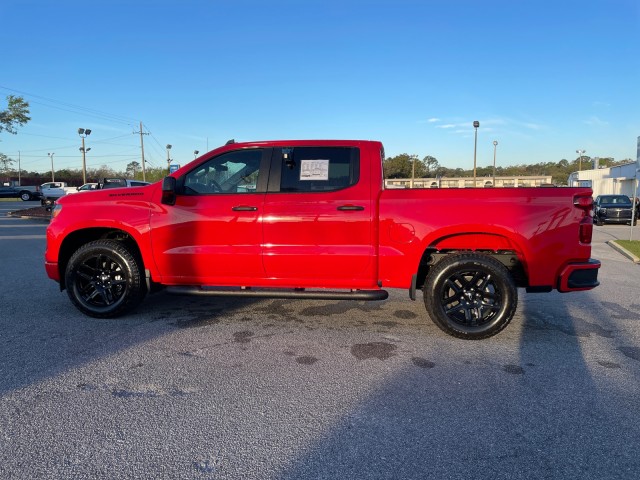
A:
(631, 245)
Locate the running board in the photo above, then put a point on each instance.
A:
(368, 295)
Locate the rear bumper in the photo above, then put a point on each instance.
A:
(579, 276)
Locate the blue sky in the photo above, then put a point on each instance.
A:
(544, 78)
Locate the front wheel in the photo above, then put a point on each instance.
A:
(470, 296)
(104, 279)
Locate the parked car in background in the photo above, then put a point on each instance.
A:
(121, 183)
(13, 189)
(87, 187)
(48, 200)
(613, 209)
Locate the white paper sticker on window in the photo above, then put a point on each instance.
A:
(314, 169)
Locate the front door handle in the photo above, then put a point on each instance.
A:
(244, 208)
(350, 208)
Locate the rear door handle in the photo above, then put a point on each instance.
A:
(350, 208)
(244, 208)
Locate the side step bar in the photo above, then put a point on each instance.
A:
(368, 295)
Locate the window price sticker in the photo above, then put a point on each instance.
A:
(314, 170)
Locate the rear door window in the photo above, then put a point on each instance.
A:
(314, 169)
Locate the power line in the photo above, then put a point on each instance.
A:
(72, 108)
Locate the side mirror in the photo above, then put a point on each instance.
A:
(169, 191)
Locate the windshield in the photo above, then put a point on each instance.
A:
(615, 199)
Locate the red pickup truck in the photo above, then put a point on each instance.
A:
(312, 219)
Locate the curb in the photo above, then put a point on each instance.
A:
(623, 251)
(28, 217)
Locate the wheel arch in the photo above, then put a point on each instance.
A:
(499, 246)
(78, 238)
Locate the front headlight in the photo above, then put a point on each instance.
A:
(56, 210)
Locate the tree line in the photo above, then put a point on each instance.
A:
(408, 166)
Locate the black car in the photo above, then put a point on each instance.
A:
(613, 209)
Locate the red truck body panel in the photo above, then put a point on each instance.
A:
(359, 237)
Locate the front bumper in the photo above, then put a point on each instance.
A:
(579, 276)
(52, 270)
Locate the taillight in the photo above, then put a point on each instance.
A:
(585, 203)
(586, 229)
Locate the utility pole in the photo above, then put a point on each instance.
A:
(19, 168)
(53, 175)
(144, 171)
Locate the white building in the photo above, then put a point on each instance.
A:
(467, 182)
(620, 180)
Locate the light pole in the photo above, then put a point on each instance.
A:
(413, 170)
(495, 147)
(83, 134)
(53, 175)
(580, 152)
(476, 124)
(168, 159)
(195, 154)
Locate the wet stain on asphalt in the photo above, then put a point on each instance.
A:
(631, 352)
(404, 314)
(386, 324)
(620, 312)
(577, 328)
(201, 319)
(513, 369)
(379, 350)
(422, 362)
(339, 308)
(609, 364)
(242, 337)
(306, 360)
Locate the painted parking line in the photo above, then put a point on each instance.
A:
(31, 225)
(22, 237)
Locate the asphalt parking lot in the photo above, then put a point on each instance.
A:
(272, 389)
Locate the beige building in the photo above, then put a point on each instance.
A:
(622, 179)
(467, 182)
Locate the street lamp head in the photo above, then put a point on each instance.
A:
(495, 143)
(196, 152)
(88, 149)
(168, 147)
(87, 132)
(476, 124)
(80, 131)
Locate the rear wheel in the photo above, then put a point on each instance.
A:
(25, 196)
(470, 296)
(104, 279)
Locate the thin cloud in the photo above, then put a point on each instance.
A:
(595, 121)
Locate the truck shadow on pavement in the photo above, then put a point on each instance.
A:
(543, 406)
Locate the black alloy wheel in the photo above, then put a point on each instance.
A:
(104, 279)
(470, 296)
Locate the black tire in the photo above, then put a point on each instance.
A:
(470, 296)
(599, 222)
(104, 279)
(25, 196)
